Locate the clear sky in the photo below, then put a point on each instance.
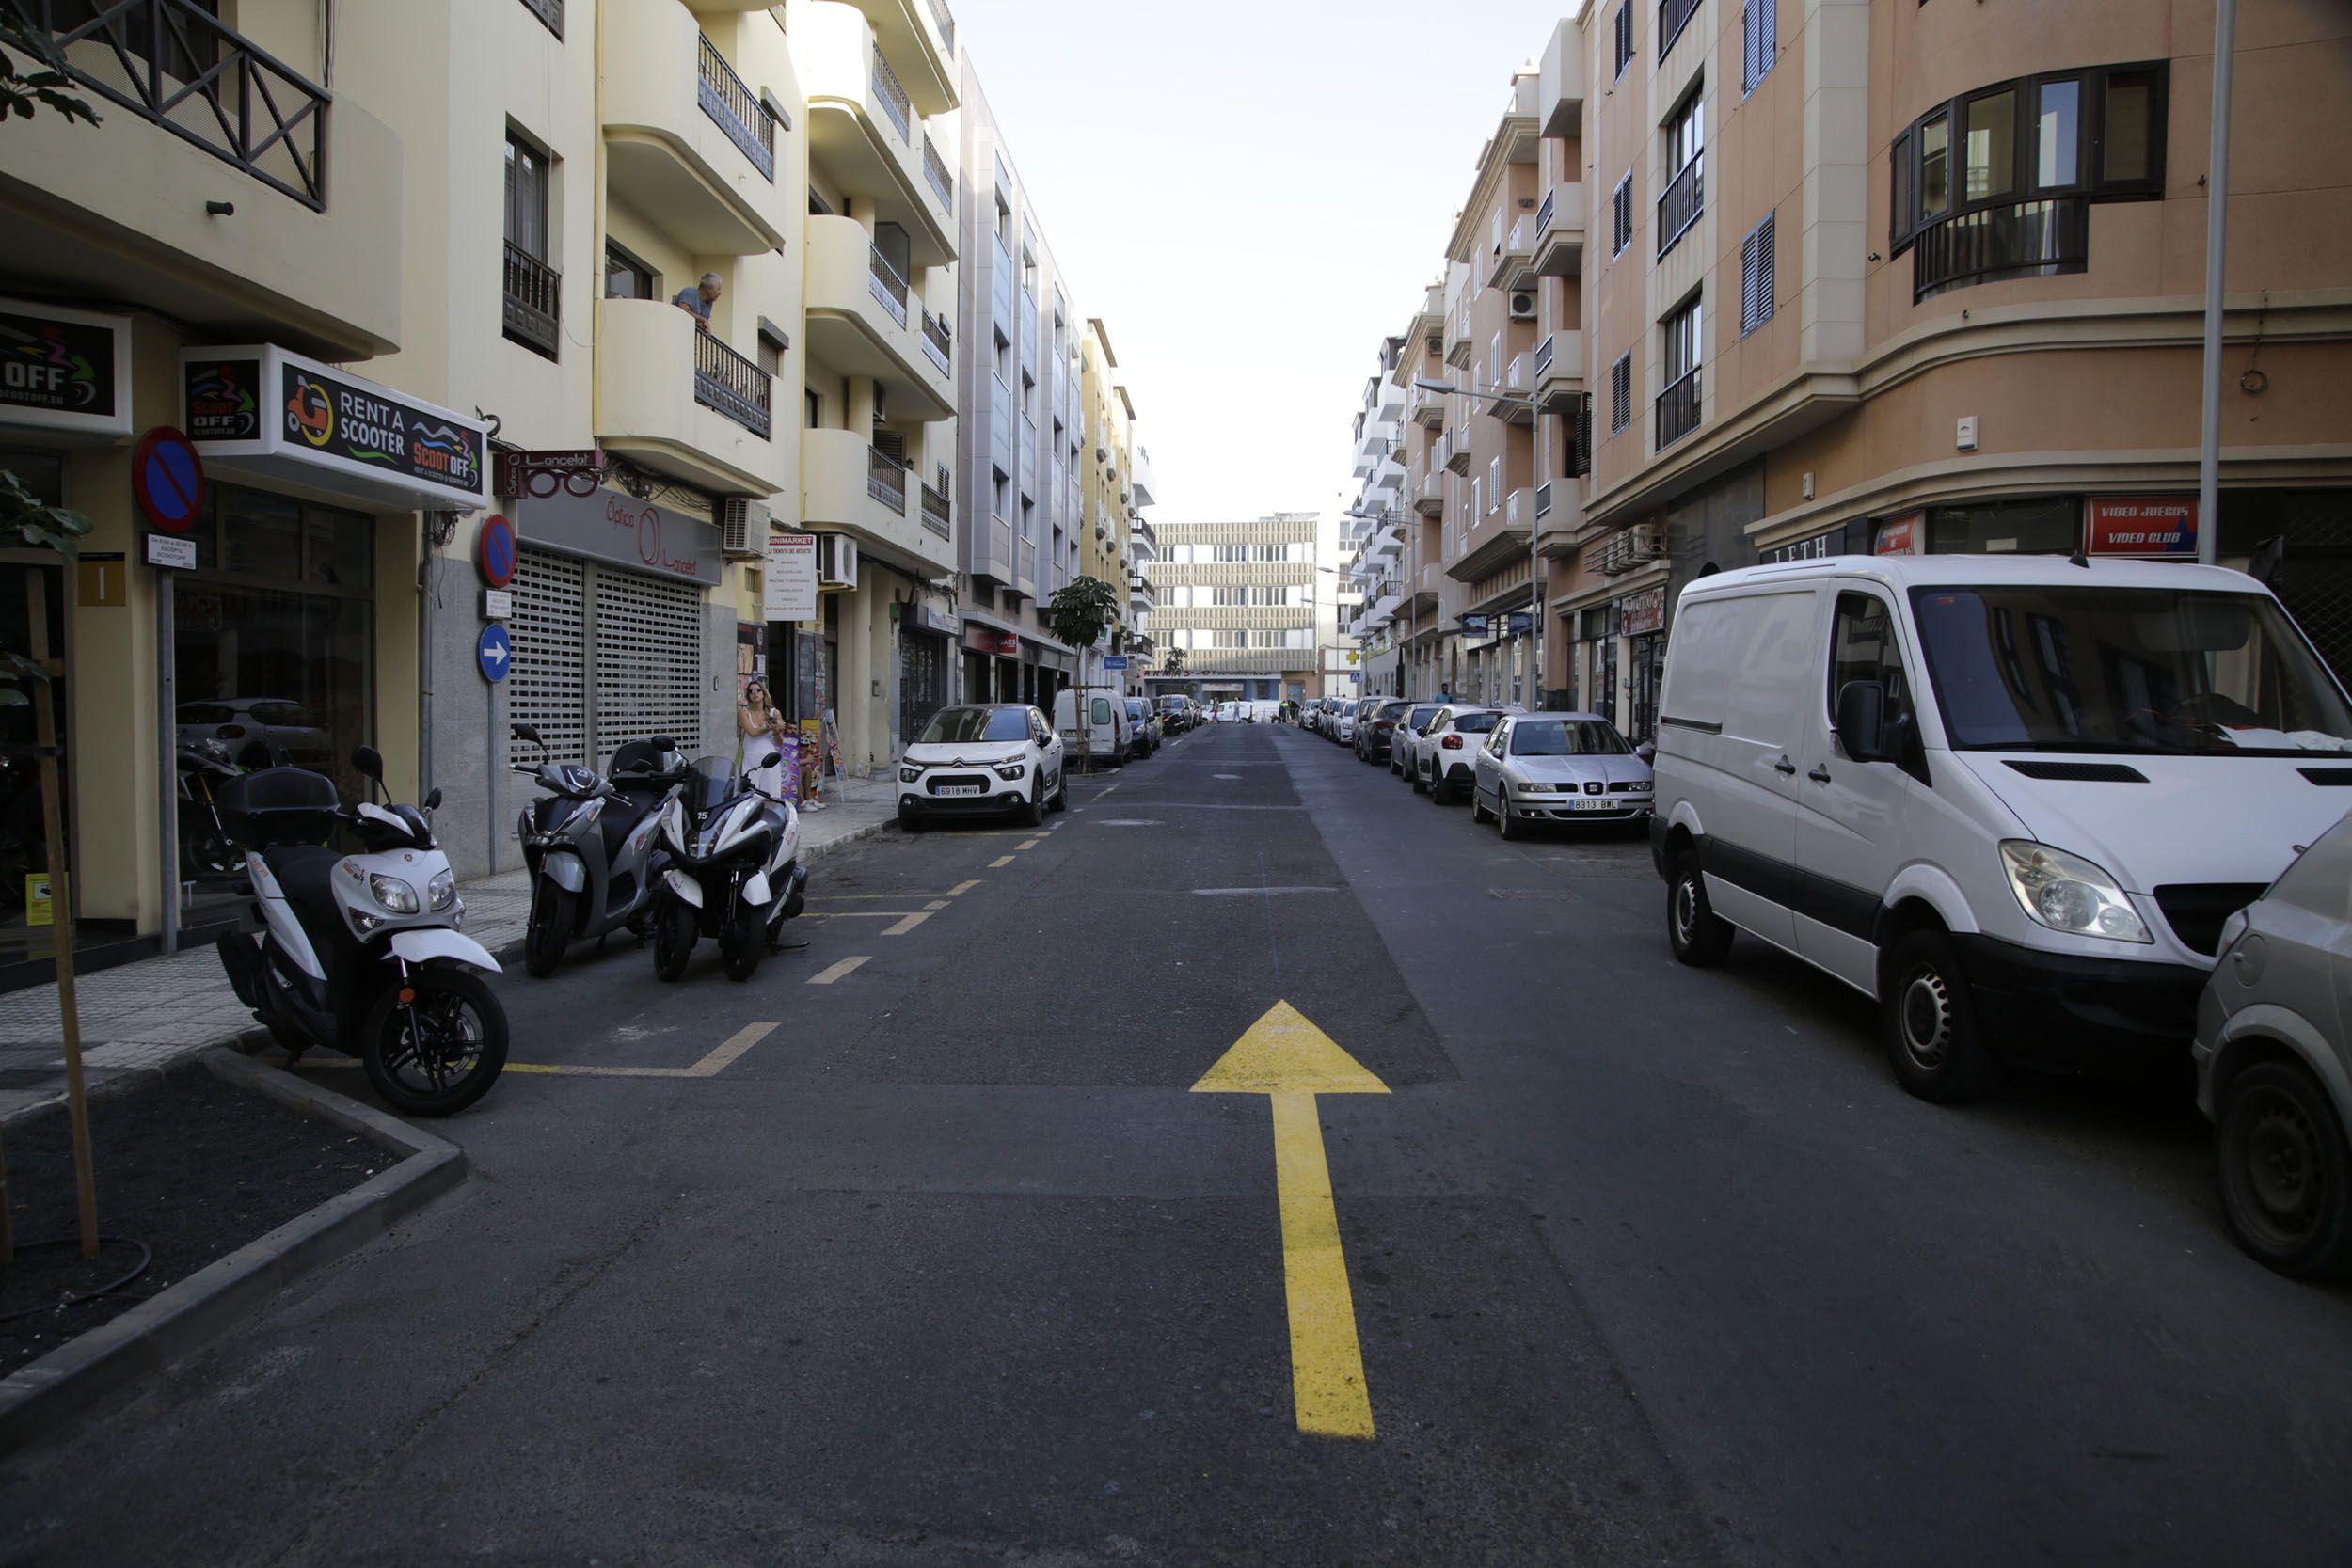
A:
(1250, 194)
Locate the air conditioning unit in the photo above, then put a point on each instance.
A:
(1645, 542)
(1522, 305)
(744, 528)
(836, 561)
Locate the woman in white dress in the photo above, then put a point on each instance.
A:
(758, 726)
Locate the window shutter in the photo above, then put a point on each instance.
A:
(1767, 35)
(1580, 440)
(1621, 215)
(1766, 233)
(1747, 282)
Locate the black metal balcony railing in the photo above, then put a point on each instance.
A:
(896, 107)
(736, 109)
(1543, 500)
(534, 297)
(733, 385)
(1679, 409)
(1679, 208)
(937, 345)
(548, 11)
(888, 288)
(935, 171)
(886, 480)
(1543, 357)
(1543, 214)
(935, 511)
(946, 20)
(172, 63)
(2033, 239)
(1673, 15)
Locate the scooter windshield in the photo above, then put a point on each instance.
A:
(710, 782)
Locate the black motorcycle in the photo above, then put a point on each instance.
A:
(592, 845)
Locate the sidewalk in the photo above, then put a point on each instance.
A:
(142, 1016)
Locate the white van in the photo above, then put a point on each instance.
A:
(2012, 798)
(1107, 730)
(1229, 713)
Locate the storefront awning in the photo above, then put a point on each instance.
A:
(270, 414)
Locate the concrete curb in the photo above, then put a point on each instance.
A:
(39, 1399)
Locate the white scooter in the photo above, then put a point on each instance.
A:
(361, 952)
(735, 871)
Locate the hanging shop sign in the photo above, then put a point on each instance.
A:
(988, 640)
(167, 480)
(1641, 613)
(1519, 622)
(540, 474)
(64, 369)
(789, 583)
(265, 411)
(938, 620)
(612, 526)
(1903, 535)
(2162, 527)
(1475, 624)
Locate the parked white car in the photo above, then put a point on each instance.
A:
(1549, 767)
(2012, 798)
(1343, 723)
(1448, 753)
(979, 760)
(1405, 744)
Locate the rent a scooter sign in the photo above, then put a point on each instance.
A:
(360, 422)
(2157, 525)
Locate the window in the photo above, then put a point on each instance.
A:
(818, 206)
(1673, 16)
(1625, 34)
(1685, 142)
(1863, 648)
(1756, 277)
(627, 278)
(2091, 134)
(534, 289)
(999, 493)
(1621, 215)
(1004, 220)
(1760, 40)
(1494, 482)
(1004, 357)
(1621, 393)
(526, 197)
(1478, 492)
(1028, 272)
(1679, 404)
(813, 408)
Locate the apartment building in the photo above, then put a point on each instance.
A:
(1239, 602)
(1876, 275)
(1114, 533)
(1374, 527)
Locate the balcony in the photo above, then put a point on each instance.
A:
(1680, 206)
(1430, 504)
(1560, 84)
(1426, 409)
(1495, 544)
(1560, 231)
(1514, 264)
(1673, 16)
(533, 301)
(1559, 518)
(679, 399)
(2033, 239)
(687, 142)
(937, 346)
(862, 321)
(1679, 409)
(862, 133)
(1453, 453)
(850, 485)
(1559, 369)
(114, 211)
(919, 36)
(1516, 378)
(1458, 347)
(937, 515)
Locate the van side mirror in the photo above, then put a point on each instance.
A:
(1862, 720)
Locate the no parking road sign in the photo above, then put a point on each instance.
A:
(494, 653)
(167, 480)
(493, 553)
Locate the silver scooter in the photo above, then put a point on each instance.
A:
(735, 872)
(593, 846)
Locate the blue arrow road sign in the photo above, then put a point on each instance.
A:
(493, 652)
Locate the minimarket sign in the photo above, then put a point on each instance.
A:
(267, 411)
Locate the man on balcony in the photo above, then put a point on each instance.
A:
(698, 300)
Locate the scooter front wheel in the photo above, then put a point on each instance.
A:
(439, 1052)
(741, 942)
(550, 929)
(672, 938)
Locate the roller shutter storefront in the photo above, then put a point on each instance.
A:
(640, 635)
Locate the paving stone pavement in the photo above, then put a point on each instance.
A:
(139, 1017)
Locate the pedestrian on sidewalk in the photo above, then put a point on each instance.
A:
(758, 728)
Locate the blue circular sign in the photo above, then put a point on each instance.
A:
(167, 480)
(495, 552)
(494, 653)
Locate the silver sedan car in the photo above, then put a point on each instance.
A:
(2274, 1065)
(1558, 768)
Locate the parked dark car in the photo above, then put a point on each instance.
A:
(1376, 728)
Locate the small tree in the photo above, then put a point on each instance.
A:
(1078, 614)
(1174, 663)
(42, 80)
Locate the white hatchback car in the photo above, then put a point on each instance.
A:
(1343, 723)
(1405, 743)
(1447, 757)
(980, 760)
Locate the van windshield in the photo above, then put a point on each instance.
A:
(2100, 669)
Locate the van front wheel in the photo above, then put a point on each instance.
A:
(1930, 1024)
(1700, 936)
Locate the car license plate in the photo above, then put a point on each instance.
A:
(961, 789)
(1597, 803)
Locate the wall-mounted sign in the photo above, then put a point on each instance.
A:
(64, 369)
(610, 526)
(494, 551)
(498, 604)
(1639, 614)
(170, 553)
(2158, 526)
(789, 583)
(1521, 622)
(540, 474)
(495, 652)
(938, 620)
(167, 480)
(1475, 624)
(988, 640)
(315, 425)
(1903, 535)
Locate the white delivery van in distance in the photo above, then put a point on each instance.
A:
(2012, 798)
(1107, 728)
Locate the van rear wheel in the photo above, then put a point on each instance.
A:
(1930, 1024)
(1700, 937)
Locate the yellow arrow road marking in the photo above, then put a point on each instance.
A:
(1289, 1060)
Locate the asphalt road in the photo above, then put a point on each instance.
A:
(947, 1265)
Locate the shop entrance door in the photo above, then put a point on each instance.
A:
(33, 909)
(922, 681)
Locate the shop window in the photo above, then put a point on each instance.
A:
(2045, 527)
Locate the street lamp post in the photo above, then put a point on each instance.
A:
(1534, 550)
